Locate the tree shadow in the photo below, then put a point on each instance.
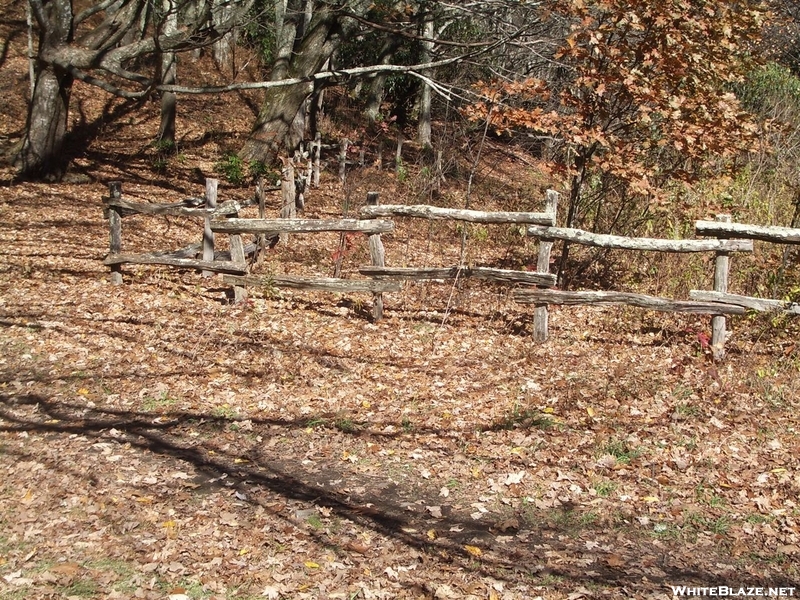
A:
(510, 548)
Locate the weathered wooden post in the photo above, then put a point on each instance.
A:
(376, 253)
(237, 246)
(288, 195)
(540, 314)
(208, 235)
(718, 325)
(316, 152)
(261, 239)
(398, 155)
(343, 159)
(115, 228)
(238, 257)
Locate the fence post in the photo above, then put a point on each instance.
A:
(376, 253)
(316, 152)
(540, 315)
(343, 159)
(208, 235)
(718, 324)
(288, 195)
(398, 155)
(115, 229)
(238, 256)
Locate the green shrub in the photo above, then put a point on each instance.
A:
(233, 168)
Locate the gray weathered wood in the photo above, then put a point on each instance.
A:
(261, 240)
(115, 228)
(597, 240)
(398, 155)
(640, 300)
(316, 152)
(195, 250)
(167, 259)
(288, 195)
(718, 326)
(343, 159)
(377, 256)
(225, 255)
(749, 302)
(177, 209)
(238, 257)
(488, 273)
(424, 211)
(208, 234)
(301, 225)
(540, 313)
(323, 284)
(725, 229)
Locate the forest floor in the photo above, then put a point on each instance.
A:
(158, 441)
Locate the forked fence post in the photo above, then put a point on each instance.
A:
(718, 324)
(377, 255)
(540, 314)
(208, 235)
(115, 229)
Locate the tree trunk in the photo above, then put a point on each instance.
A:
(377, 84)
(41, 153)
(224, 48)
(576, 187)
(169, 68)
(302, 52)
(424, 127)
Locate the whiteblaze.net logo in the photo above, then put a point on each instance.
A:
(728, 591)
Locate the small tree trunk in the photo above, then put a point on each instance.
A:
(377, 84)
(224, 48)
(41, 152)
(424, 127)
(574, 200)
(169, 68)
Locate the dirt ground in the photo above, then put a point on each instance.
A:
(157, 440)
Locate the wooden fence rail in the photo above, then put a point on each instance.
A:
(441, 273)
(724, 229)
(619, 242)
(423, 211)
(627, 298)
(274, 226)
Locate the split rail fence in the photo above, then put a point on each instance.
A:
(535, 287)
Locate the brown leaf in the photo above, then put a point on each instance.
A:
(615, 561)
(69, 568)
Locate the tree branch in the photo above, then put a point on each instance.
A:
(321, 76)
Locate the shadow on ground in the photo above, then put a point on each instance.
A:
(513, 547)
